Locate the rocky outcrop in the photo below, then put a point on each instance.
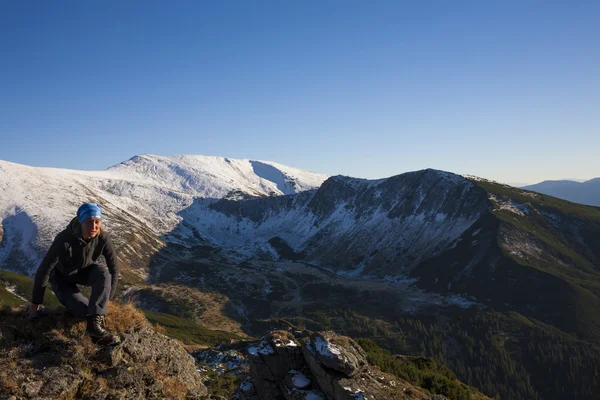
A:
(144, 351)
(300, 365)
(53, 358)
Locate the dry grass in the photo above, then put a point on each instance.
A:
(66, 338)
(60, 334)
(209, 306)
(192, 348)
(343, 341)
(160, 329)
(82, 350)
(125, 318)
(174, 389)
(279, 335)
(102, 384)
(8, 383)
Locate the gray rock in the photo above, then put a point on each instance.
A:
(8, 334)
(32, 388)
(338, 352)
(288, 349)
(266, 369)
(320, 374)
(136, 358)
(333, 368)
(297, 394)
(61, 381)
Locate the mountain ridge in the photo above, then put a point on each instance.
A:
(424, 248)
(39, 202)
(587, 192)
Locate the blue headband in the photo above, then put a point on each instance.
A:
(88, 210)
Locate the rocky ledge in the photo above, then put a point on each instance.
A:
(53, 359)
(300, 365)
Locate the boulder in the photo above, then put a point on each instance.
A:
(319, 366)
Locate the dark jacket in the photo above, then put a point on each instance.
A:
(70, 253)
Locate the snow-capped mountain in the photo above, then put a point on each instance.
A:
(349, 225)
(587, 192)
(447, 233)
(141, 197)
(271, 241)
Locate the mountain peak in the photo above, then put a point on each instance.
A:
(212, 176)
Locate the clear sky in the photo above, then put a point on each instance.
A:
(507, 90)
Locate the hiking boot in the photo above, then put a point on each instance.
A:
(95, 329)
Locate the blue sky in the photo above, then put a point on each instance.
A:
(507, 90)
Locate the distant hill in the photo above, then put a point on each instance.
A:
(587, 192)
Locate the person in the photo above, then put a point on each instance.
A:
(71, 260)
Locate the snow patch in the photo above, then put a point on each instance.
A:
(12, 289)
(460, 301)
(350, 273)
(325, 348)
(359, 395)
(267, 289)
(263, 348)
(299, 380)
(510, 205)
(247, 386)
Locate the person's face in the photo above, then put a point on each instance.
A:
(90, 227)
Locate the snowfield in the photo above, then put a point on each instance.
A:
(146, 190)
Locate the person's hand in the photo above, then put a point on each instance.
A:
(35, 310)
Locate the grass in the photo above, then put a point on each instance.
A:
(419, 371)
(187, 331)
(221, 386)
(9, 299)
(524, 196)
(567, 267)
(176, 327)
(24, 286)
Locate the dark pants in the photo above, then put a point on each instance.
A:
(67, 292)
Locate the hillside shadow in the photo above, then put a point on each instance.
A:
(272, 174)
(43, 340)
(256, 289)
(18, 233)
(195, 264)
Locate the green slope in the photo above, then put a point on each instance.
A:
(533, 262)
(24, 286)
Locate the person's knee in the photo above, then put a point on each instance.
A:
(101, 272)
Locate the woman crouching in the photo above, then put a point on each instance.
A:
(71, 260)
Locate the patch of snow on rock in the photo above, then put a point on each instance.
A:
(509, 205)
(325, 348)
(299, 380)
(263, 348)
